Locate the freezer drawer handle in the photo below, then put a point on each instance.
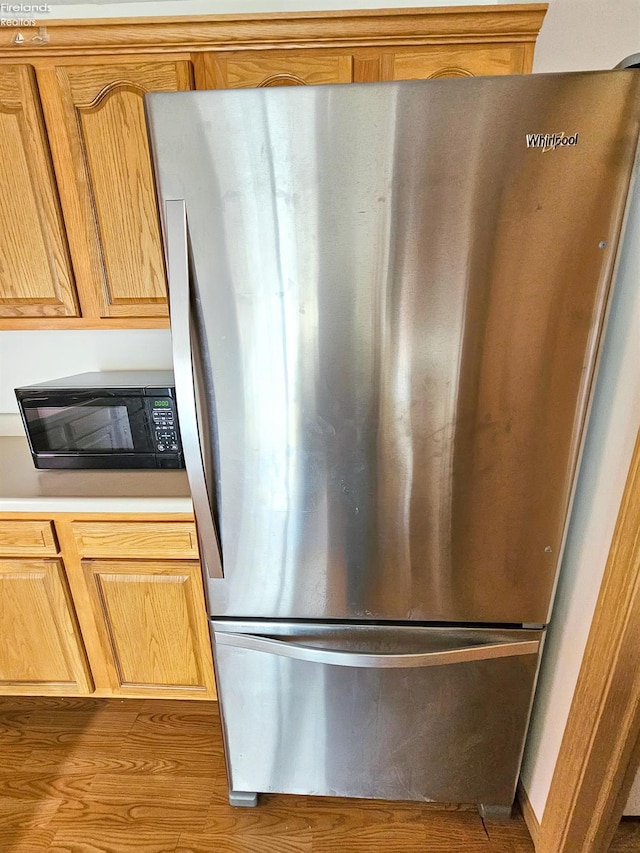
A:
(180, 310)
(364, 659)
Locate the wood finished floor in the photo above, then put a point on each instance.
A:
(113, 776)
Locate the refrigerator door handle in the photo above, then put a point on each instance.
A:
(337, 657)
(180, 310)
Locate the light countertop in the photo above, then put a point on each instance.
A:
(23, 488)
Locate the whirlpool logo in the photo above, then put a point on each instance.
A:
(551, 141)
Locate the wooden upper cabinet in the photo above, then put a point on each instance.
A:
(241, 69)
(455, 61)
(75, 172)
(35, 273)
(41, 650)
(95, 119)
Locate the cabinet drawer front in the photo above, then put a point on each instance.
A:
(138, 539)
(27, 537)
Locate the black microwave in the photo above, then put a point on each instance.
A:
(124, 419)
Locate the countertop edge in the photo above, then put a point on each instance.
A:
(140, 505)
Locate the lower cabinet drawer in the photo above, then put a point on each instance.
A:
(163, 539)
(27, 537)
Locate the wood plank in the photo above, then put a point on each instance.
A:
(15, 756)
(191, 842)
(405, 838)
(104, 760)
(128, 809)
(64, 734)
(22, 820)
(188, 723)
(34, 785)
(36, 841)
(112, 839)
(25, 704)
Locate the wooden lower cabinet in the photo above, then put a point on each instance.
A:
(103, 605)
(153, 635)
(41, 650)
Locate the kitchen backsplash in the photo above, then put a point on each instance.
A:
(38, 355)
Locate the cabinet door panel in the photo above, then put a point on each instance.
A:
(276, 68)
(35, 272)
(452, 61)
(152, 620)
(95, 118)
(40, 647)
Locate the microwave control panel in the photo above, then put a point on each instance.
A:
(164, 426)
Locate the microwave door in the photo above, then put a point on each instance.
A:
(101, 428)
(89, 426)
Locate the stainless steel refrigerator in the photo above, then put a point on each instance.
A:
(386, 305)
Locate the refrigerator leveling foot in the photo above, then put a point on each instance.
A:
(246, 799)
(489, 812)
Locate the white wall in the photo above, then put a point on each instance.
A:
(36, 356)
(581, 35)
(585, 34)
(118, 8)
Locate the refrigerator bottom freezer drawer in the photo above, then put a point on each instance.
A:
(400, 713)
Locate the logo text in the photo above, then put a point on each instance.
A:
(551, 141)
